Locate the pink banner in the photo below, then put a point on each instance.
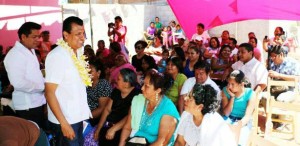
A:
(218, 12)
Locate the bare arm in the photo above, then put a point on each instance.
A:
(215, 65)
(126, 130)
(180, 141)
(102, 101)
(274, 74)
(181, 103)
(226, 73)
(110, 134)
(265, 44)
(166, 129)
(249, 110)
(259, 88)
(51, 98)
(227, 104)
(104, 115)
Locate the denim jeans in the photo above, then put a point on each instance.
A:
(60, 140)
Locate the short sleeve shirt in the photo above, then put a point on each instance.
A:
(120, 106)
(102, 89)
(173, 92)
(71, 91)
(289, 66)
(254, 71)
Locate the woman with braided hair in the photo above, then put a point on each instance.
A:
(200, 123)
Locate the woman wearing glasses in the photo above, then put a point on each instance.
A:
(200, 123)
(153, 115)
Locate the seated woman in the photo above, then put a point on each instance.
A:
(115, 113)
(148, 63)
(152, 115)
(99, 93)
(102, 51)
(136, 60)
(200, 124)
(213, 49)
(151, 31)
(178, 52)
(115, 50)
(97, 97)
(120, 63)
(193, 57)
(238, 102)
(156, 49)
(175, 69)
(219, 64)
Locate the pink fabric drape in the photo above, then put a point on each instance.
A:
(217, 12)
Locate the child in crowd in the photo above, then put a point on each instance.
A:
(163, 62)
(165, 36)
(170, 37)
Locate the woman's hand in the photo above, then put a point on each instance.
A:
(110, 134)
(96, 134)
(230, 93)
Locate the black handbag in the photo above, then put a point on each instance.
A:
(137, 141)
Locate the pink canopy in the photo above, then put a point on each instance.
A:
(218, 12)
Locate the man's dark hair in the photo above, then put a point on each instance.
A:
(118, 18)
(278, 49)
(200, 25)
(247, 46)
(202, 65)
(46, 32)
(255, 39)
(233, 40)
(27, 27)
(67, 24)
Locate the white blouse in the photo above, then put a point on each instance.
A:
(189, 131)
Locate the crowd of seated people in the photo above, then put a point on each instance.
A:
(177, 94)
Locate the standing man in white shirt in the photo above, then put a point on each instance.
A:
(202, 70)
(24, 74)
(65, 88)
(201, 33)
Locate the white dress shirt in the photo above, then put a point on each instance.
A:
(71, 91)
(24, 74)
(254, 71)
(190, 82)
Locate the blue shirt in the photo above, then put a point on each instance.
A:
(289, 66)
(240, 103)
(187, 72)
(149, 126)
